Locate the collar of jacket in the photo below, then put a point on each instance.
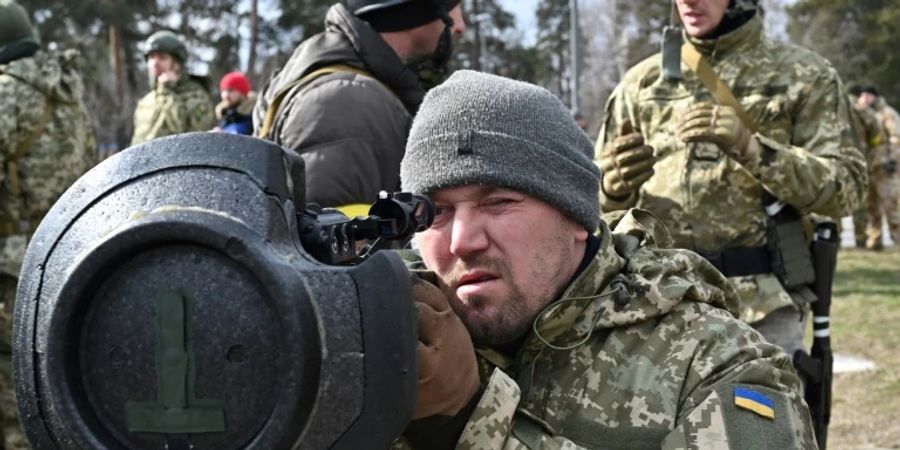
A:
(244, 108)
(633, 258)
(186, 82)
(376, 56)
(43, 71)
(745, 36)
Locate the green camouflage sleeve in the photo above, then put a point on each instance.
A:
(618, 110)
(8, 122)
(822, 170)
(198, 112)
(184, 111)
(759, 413)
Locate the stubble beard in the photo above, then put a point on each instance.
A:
(513, 314)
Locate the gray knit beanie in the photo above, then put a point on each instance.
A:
(477, 128)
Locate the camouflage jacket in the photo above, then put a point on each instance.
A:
(44, 85)
(172, 109)
(890, 121)
(654, 367)
(872, 137)
(710, 202)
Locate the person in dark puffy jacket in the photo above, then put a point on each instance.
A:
(345, 99)
(233, 113)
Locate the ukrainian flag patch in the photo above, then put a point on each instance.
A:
(754, 401)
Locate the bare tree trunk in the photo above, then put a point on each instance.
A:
(115, 60)
(251, 60)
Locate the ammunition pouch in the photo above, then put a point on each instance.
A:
(788, 247)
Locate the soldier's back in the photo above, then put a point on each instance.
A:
(47, 136)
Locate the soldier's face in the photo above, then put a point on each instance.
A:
(159, 63)
(424, 39)
(501, 257)
(701, 17)
(231, 96)
(865, 100)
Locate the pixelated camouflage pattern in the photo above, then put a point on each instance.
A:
(639, 373)
(710, 202)
(58, 156)
(172, 109)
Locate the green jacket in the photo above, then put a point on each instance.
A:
(810, 157)
(656, 367)
(172, 109)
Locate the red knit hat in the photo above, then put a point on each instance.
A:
(236, 81)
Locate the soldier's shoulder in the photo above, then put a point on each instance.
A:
(195, 86)
(807, 63)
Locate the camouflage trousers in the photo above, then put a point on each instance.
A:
(13, 437)
(882, 201)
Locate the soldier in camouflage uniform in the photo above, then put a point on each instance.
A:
(873, 139)
(587, 336)
(668, 147)
(46, 143)
(177, 102)
(883, 189)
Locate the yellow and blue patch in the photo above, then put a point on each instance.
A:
(754, 401)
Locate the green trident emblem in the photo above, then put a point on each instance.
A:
(176, 411)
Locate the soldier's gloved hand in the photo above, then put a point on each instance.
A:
(448, 372)
(890, 167)
(168, 77)
(720, 125)
(626, 162)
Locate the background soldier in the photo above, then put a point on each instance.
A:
(717, 172)
(346, 98)
(883, 187)
(177, 102)
(46, 143)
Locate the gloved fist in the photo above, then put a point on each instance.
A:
(448, 372)
(890, 167)
(626, 162)
(720, 125)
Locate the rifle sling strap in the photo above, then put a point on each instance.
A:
(719, 90)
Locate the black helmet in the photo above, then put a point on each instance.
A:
(166, 301)
(396, 15)
(17, 36)
(15, 26)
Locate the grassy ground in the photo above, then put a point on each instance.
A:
(866, 323)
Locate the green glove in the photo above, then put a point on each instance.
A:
(720, 125)
(626, 162)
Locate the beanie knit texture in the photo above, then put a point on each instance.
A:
(477, 128)
(236, 81)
